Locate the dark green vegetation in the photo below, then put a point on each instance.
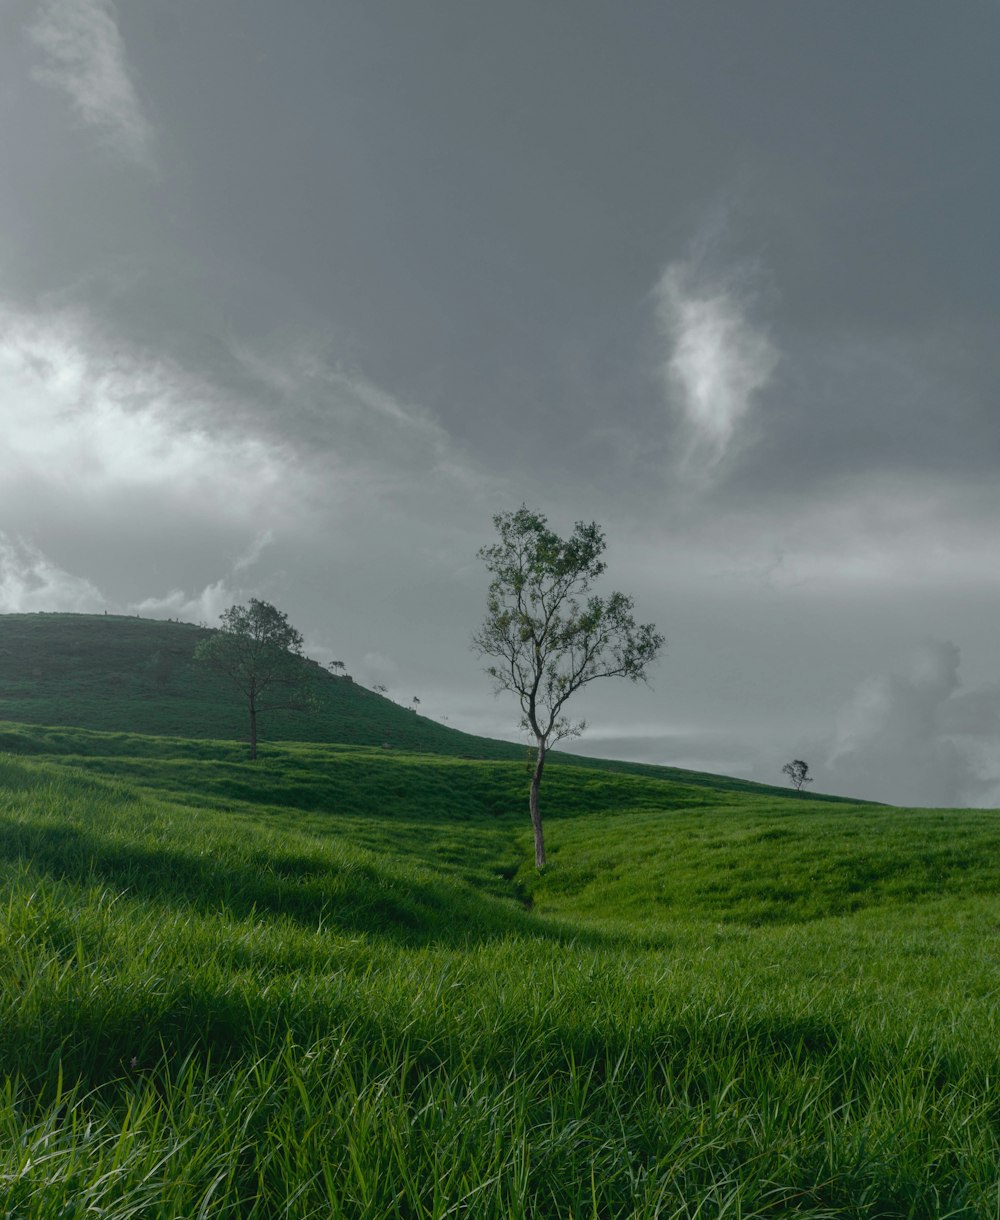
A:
(139, 675)
(332, 984)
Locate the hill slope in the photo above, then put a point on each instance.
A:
(135, 675)
(139, 675)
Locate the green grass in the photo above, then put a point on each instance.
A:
(331, 985)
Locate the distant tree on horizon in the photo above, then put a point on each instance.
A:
(549, 635)
(261, 653)
(798, 773)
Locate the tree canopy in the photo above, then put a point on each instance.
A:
(261, 653)
(798, 773)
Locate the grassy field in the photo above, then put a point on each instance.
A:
(330, 984)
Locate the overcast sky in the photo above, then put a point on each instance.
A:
(295, 296)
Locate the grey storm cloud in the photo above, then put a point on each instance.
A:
(397, 268)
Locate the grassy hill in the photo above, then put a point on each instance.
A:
(136, 675)
(139, 675)
(331, 984)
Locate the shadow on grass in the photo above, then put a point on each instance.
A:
(352, 898)
(118, 1036)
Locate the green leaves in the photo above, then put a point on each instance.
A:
(261, 653)
(548, 632)
(256, 646)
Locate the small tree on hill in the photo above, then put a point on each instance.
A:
(549, 635)
(798, 773)
(261, 654)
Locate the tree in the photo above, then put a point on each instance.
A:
(549, 635)
(337, 668)
(261, 654)
(798, 773)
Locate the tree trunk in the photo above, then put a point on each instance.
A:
(253, 730)
(536, 817)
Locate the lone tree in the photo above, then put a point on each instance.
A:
(549, 635)
(798, 773)
(261, 654)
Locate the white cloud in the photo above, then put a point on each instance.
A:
(204, 607)
(87, 419)
(84, 56)
(254, 551)
(915, 738)
(30, 581)
(208, 605)
(717, 359)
